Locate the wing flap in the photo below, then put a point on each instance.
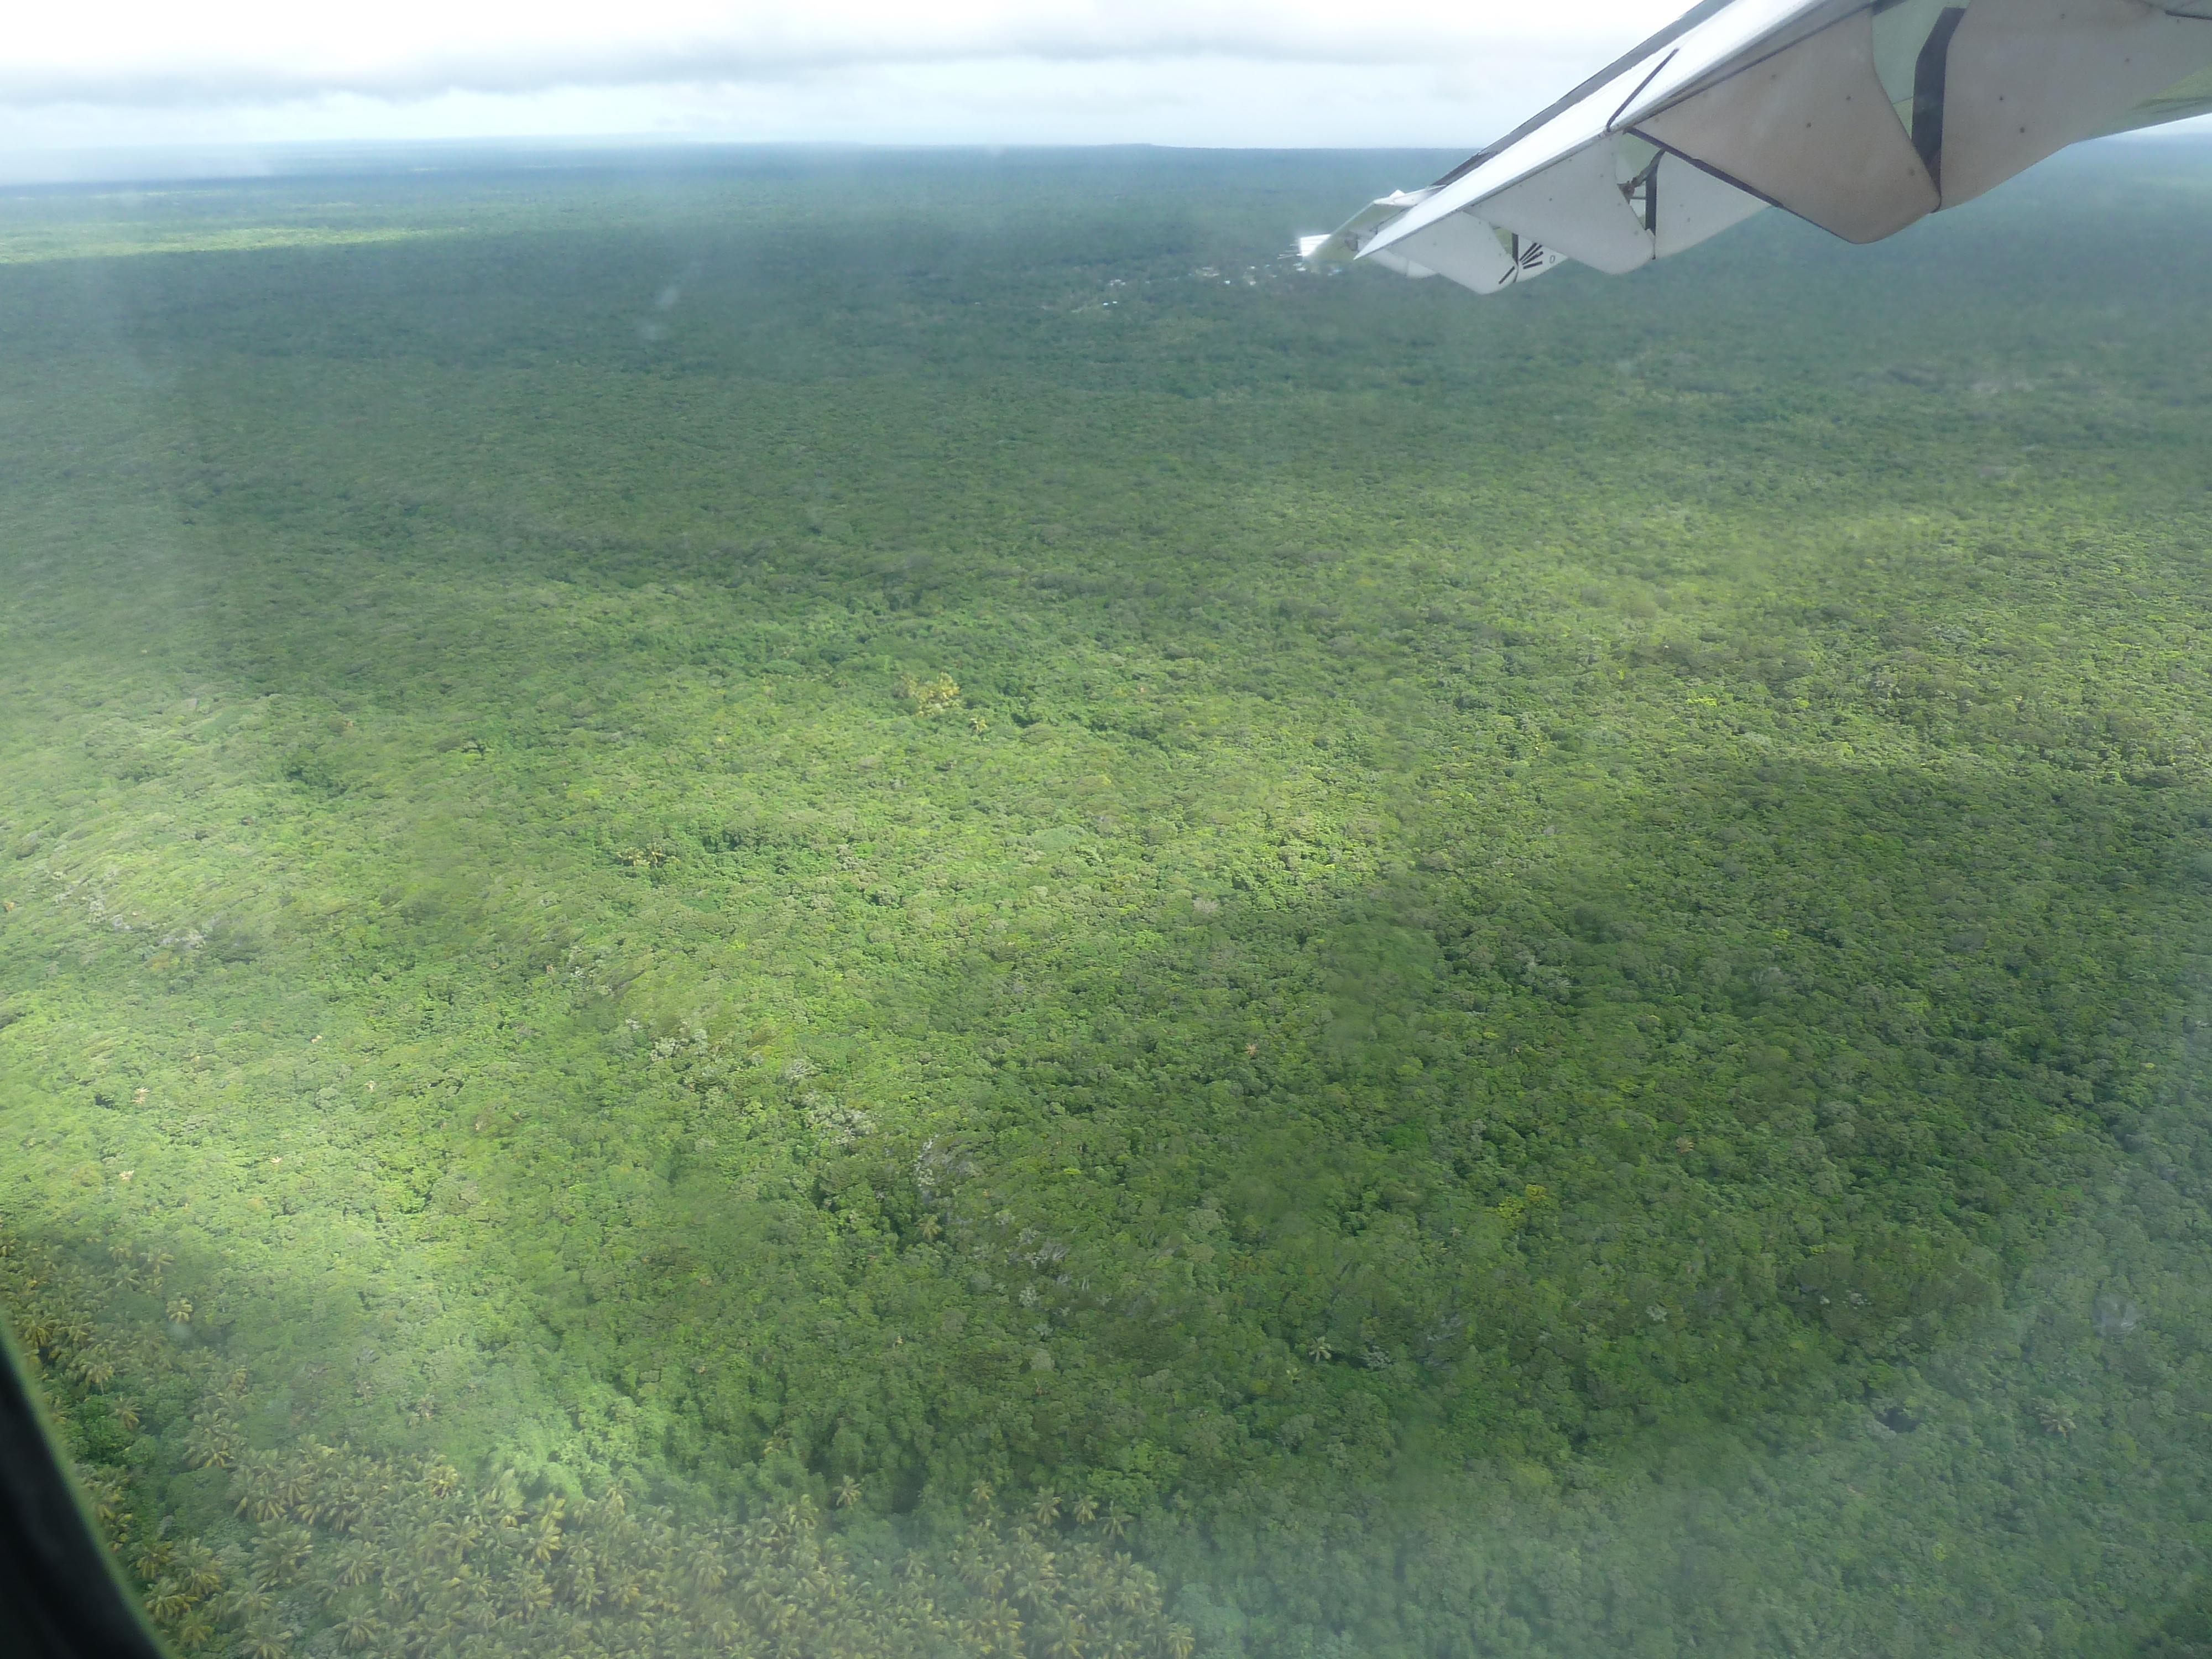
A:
(1692, 204)
(2026, 78)
(1473, 253)
(1809, 127)
(1577, 206)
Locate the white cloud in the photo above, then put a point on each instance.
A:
(1206, 71)
(144, 53)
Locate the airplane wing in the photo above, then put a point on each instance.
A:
(1860, 116)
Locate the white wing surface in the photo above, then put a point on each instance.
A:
(1860, 116)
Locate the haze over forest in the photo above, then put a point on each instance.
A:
(767, 903)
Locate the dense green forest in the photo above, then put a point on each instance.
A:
(865, 903)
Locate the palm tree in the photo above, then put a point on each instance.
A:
(196, 1563)
(249, 1604)
(169, 1601)
(545, 1537)
(359, 1628)
(1045, 1508)
(848, 1492)
(1065, 1637)
(584, 1586)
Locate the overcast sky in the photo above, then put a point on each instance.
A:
(80, 80)
(1228, 72)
